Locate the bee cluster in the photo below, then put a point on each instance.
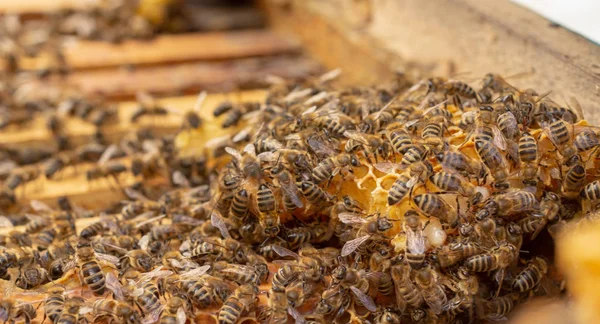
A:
(405, 202)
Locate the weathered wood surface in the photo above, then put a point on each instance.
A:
(166, 49)
(186, 78)
(443, 37)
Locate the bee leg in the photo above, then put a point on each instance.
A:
(499, 277)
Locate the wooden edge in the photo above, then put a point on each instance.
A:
(121, 84)
(80, 131)
(446, 38)
(166, 49)
(40, 6)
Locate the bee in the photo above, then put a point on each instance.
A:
(102, 171)
(93, 229)
(309, 266)
(314, 194)
(32, 275)
(368, 227)
(240, 205)
(455, 252)
(550, 206)
(574, 178)
(414, 154)
(460, 162)
(267, 206)
(279, 308)
(531, 276)
(326, 118)
(268, 144)
(499, 258)
(493, 160)
(415, 241)
(241, 274)
(508, 125)
(459, 88)
(497, 308)
(146, 295)
(400, 140)
(138, 260)
(400, 188)
(591, 191)
(70, 314)
(238, 303)
(357, 282)
(387, 316)
(528, 155)
(116, 310)
(90, 271)
(333, 301)
(434, 206)
(54, 303)
(291, 199)
(586, 140)
(207, 290)
(299, 236)
(175, 311)
(21, 176)
(372, 145)
(562, 138)
(297, 292)
(147, 106)
(453, 182)
(332, 165)
(505, 205)
(432, 291)
(22, 313)
(235, 112)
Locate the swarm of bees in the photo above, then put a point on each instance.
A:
(430, 202)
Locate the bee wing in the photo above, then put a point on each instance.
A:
(366, 300)
(357, 136)
(351, 218)
(107, 258)
(316, 98)
(283, 252)
(85, 310)
(112, 283)
(310, 110)
(239, 269)
(241, 135)
(330, 75)
(426, 111)
(107, 154)
(250, 149)
(233, 152)
(572, 102)
(320, 147)
(150, 220)
(145, 98)
(218, 142)
(144, 241)
(352, 245)
(195, 273)
(180, 180)
(5, 222)
(415, 241)
(181, 316)
(499, 139)
(217, 221)
(157, 272)
(296, 315)
(266, 156)
(69, 265)
(297, 94)
(200, 101)
(412, 182)
(387, 167)
(292, 192)
(153, 316)
(39, 206)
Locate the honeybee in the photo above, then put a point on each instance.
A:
(493, 160)
(138, 260)
(531, 276)
(71, 313)
(497, 308)
(299, 236)
(432, 291)
(574, 178)
(334, 300)
(561, 135)
(146, 296)
(54, 303)
(549, 211)
(147, 106)
(267, 206)
(460, 162)
(372, 145)
(90, 270)
(591, 191)
(505, 205)
(528, 155)
(21, 176)
(387, 316)
(118, 311)
(400, 140)
(289, 190)
(207, 290)
(239, 302)
(508, 125)
(314, 194)
(241, 274)
(368, 226)
(297, 292)
(357, 282)
(434, 206)
(586, 140)
(175, 311)
(332, 165)
(279, 308)
(32, 275)
(415, 241)
(453, 182)
(455, 252)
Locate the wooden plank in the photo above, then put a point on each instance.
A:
(166, 49)
(80, 131)
(40, 6)
(440, 37)
(191, 77)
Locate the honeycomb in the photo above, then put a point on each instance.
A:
(447, 227)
